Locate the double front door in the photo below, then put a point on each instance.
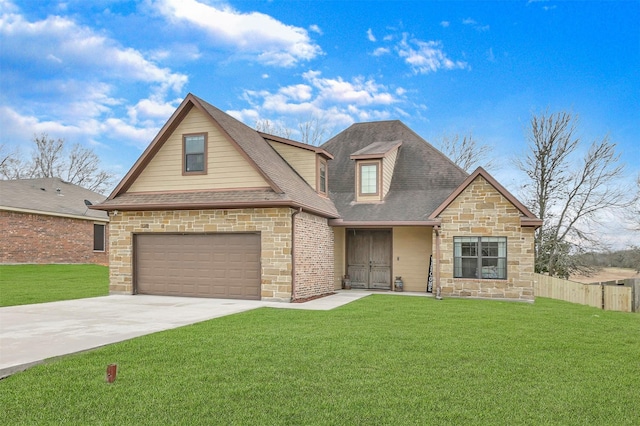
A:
(369, 258)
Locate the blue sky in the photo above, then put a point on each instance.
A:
(108, 73)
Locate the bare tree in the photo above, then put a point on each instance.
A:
(12, 165)
(313, 131)
(273, 128)
(80, 166)
(467, 153)
(568, 194)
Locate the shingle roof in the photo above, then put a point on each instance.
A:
(49, 196)
(422, 179)
(288, 188)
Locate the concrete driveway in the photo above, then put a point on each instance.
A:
(30, 334)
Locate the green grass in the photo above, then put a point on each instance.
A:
(383, 360)
(26, 284)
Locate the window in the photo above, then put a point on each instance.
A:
(369, 179)
(322, 177)
(480, 257)
(195, 153)
(98, 237)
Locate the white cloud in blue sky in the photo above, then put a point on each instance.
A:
(109, 73)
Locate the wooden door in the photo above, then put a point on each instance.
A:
(369, 258)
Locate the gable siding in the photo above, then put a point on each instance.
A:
(388, 165)
(480, 210)
(303, 161)
(226, 169)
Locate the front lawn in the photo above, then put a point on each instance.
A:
(382, 360)
(26, 284)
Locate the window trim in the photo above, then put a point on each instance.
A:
(104, 237)
(378, 165)
(184, 154)
(479, 257)
(323, 162)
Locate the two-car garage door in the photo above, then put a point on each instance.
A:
(198, 265)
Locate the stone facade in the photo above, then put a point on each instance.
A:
(274, 225)
(314, 261)
(36, 238)
(480, 210)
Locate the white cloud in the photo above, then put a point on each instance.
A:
(335, 101)
(445, 24)
(60, 46)
(472, 22)
(426, 56)
(64, 79)
(316, 29)
(370, 35)
(267, 39)
(381, 51)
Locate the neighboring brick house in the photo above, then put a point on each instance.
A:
(47, 220)
(214, 208)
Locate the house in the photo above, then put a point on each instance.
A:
(48, 220)
(214, 208)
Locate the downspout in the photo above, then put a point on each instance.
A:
(293, 251)
(438, 287)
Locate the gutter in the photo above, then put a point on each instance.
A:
(293, 252)
(438, 286)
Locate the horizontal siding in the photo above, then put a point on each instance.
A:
(411, 251)
(302, 160)
(388, 165)
(226, 167)
(339, 256)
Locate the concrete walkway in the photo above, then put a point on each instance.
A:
(29, 334)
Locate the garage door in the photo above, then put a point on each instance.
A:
(198, 265)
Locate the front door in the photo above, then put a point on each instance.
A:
(369, 258)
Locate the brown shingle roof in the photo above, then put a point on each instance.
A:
(49, 196)
(422, 180)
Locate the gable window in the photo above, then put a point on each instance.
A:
(98, 237)
(195, 150)
(322, 177)
(480, 257)
(368, 179)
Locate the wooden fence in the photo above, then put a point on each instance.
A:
(613, 296)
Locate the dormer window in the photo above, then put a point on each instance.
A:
(195, 150)
(368, 177)
(374, 170)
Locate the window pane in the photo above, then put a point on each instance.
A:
(323, 177)
(98, 237)
(489, 248)
(195, 162)
(469, 268)
(194, 144)
(369, 179)
(469, 249)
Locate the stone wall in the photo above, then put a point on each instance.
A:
(35, 238)
(314, 259)
(274, 225)
(480, 211)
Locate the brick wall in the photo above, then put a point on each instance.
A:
(33, 238)
(313, 256)
(274, 225)
(479, 211)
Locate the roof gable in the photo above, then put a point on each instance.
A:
(528, 219)
(282, 179)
